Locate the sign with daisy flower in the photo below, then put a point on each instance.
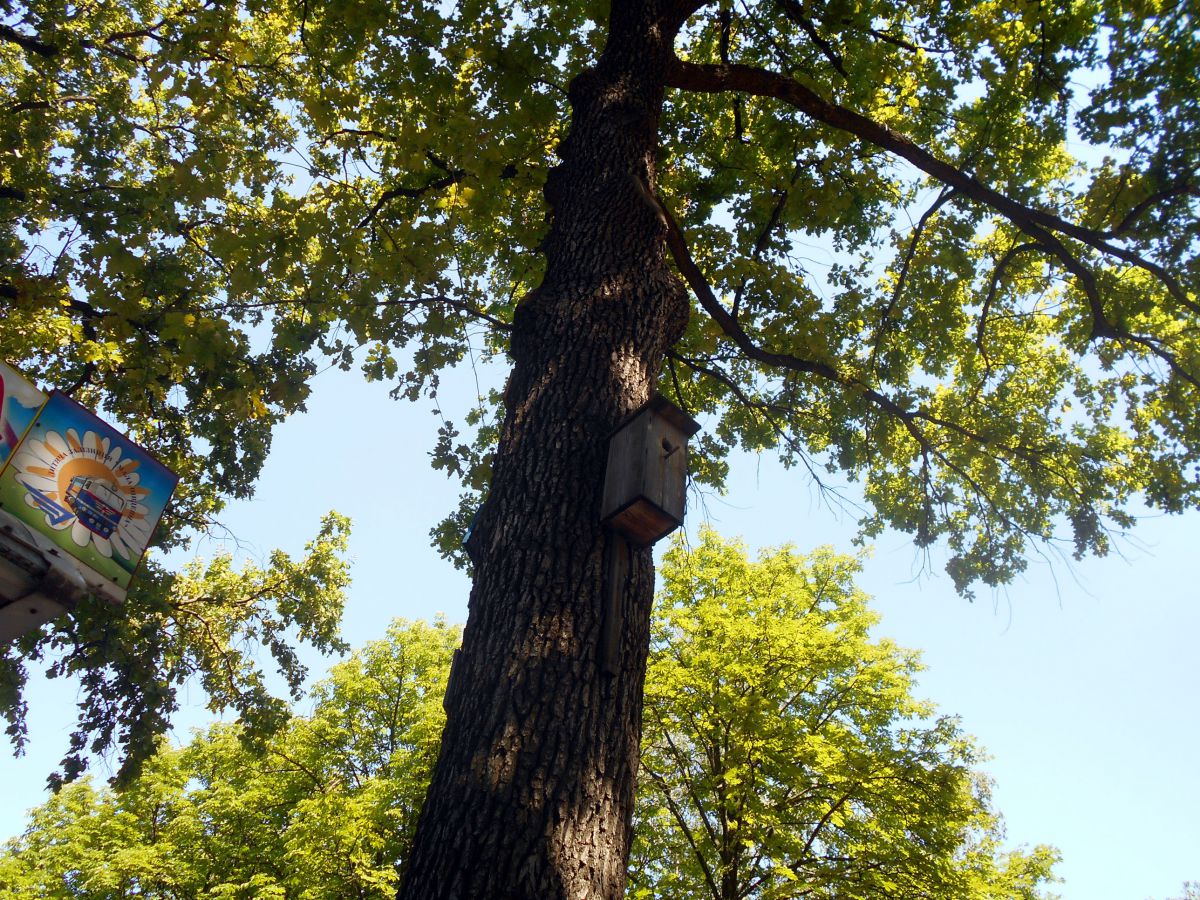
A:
(90, 490)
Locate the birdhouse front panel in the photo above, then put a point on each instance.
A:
(666, 467)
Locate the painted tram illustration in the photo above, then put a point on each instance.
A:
(97, 504)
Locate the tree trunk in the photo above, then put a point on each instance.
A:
(532, 794)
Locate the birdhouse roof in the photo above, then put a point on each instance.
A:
(661, 406)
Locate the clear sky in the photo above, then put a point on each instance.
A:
(1082, 679)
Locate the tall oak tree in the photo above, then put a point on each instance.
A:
(946, 248)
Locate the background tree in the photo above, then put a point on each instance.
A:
(205, 622)
(200, 201)
(323, 809)
(784, 754)
(732, 786)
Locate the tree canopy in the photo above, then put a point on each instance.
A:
(326, 808)
(207, 623)
(952, 244)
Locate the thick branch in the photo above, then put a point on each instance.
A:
(710, 78)
(1035, 222)
(1138, 211)
(676, 12)
(27, 42)
(910, 419)
(699, 285)
(1102, 327)
(1038, 224)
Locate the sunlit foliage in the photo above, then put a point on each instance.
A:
(946, 250)
(783, 752)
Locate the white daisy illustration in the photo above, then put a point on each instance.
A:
(84, 485)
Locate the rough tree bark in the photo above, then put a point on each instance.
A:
(532, 795)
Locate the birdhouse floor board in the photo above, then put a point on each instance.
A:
(642, 522)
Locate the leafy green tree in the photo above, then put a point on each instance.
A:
(200, 201)
(785, 756)
(323, 809)
(197, 623)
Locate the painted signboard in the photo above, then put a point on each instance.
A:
(19, 405)
(92, 492)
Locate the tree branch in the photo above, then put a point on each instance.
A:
(902, 43)
(795, 14)
(1035, 222)
(768, 412)
(913, 243)
(997, 274)
(726, 19)
(1038, 224)
(452, 176)
(461, 305)
(46, 104)
(682, 760)
(27, 42)
(665, 790)
(824, 820)
(908, 418)
(699, 285)
(436, 184)
(1138, 211)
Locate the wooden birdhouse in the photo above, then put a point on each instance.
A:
(646, 480)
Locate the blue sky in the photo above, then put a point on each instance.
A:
(1081, 679)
